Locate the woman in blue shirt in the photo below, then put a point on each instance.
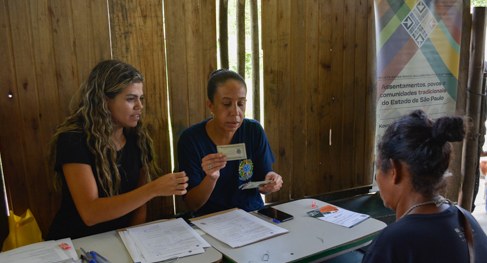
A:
(413, 156)
(213, 180)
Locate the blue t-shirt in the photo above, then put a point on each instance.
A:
(427, 238)
(194, 144)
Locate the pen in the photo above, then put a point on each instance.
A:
(93, 256)
(86, 256)
(99, 258)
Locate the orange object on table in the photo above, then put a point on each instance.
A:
(328, 209)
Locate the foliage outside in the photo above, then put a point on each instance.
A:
(479, 3)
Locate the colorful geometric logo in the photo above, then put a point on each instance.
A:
(419, 23)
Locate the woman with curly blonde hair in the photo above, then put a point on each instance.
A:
(104, 157)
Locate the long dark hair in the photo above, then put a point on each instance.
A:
(423, 145)
(90, 114)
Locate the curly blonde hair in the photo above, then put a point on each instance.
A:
(90, 114)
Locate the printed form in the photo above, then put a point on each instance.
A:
(164, 240)
(237, 228)
(48, 251)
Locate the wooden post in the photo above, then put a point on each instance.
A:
(453, 190)
(474, 91)
(371, 97)
(482, 118)
(241, 37)
(255, 58)
(223, 38)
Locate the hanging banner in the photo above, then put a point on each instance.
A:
(418, 56)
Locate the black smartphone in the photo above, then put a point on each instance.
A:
(276, 215)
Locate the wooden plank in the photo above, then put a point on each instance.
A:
(271, 85)
(191, 58)
(348, 107)
(322, 99)
(178, 52)
(4, 230)
(471, 153)
(177, 65)
(284, 109)
(333, 96)
(370, 98)
(223, 38)
(241, 37)
(91, 25)
(200, 61)
(138, 39)
(209, 38)
(49, 107)
(454, 182)
(314, 183)
(322, 91)
(194, 60)
(100, 28)
(82, 26)
(42, 68)
(360, 83)
(254, 14)
(11, 136)
(298, 99)
(35, 185)
(64, 52)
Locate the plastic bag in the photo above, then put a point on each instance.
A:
(23, 230)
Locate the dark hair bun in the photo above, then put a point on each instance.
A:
(448, 129)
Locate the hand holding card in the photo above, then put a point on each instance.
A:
(251, 185)
(233, 151)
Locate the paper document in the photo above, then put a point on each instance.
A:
(251, 185)
(237, 228)
(337, 215)
(233, 151)
(54, 251)
(163, 240)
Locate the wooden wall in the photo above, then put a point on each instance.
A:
(46, 51)
(49, 47)
(191, 57)
(318, 93)
(316, 57)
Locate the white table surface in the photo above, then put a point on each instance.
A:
(309, 239)
(110, 246)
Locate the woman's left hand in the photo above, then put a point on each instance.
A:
(275, 184)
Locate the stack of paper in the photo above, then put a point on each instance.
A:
(237, 228)
(48, 251)
(162, 240)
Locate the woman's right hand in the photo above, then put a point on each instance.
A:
(213, 163)
(171, 184)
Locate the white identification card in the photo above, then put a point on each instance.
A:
(251, 185)
(233, 151)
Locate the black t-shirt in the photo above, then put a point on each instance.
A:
(428, 238)
(72, 148)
